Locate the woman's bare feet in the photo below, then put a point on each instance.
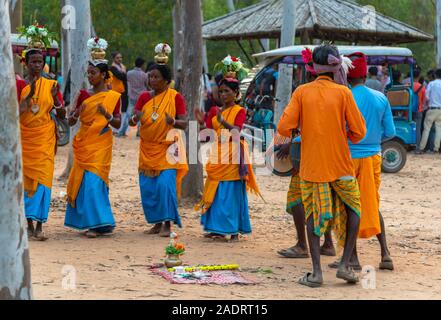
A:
(155, 229)
(165, 229)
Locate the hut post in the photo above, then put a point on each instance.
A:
(284, 85)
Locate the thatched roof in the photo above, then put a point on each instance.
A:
(336, 20)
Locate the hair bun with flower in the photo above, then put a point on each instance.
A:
(231, 67)
(162, 51)
(307, 60)
(97, 47)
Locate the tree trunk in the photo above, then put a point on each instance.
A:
(79, 58)
(65, 43)
(178, 39)
(438, 32)
(16, 14)
(230, 5)
(191, 90)
(284, 84)
(15, 269)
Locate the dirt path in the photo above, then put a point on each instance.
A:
(116, 268)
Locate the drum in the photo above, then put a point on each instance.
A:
(284, 167)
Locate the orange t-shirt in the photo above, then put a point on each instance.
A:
(327, 115)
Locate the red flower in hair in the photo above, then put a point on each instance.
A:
(307, 55)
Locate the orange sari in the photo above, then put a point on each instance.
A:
(92, 144)
(223, 164)
(38, 138)
(162, 146)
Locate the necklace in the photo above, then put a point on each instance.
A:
(155, 108)
(35, 106)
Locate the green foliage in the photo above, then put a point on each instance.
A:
(170, 249)
(417, 13)
(135, 27)
(37, 33)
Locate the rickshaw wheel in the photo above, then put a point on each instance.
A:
(394, 156)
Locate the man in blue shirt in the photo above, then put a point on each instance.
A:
(366, 156)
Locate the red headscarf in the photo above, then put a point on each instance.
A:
(360, 67)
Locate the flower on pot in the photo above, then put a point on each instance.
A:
(175, 249)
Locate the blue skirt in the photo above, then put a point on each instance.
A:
(228, 214)
(37, 206)
(159, 197)
(92, 206)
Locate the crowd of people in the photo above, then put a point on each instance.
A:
(426, 104)
(337, 118)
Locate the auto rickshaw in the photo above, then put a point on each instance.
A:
(394, 151)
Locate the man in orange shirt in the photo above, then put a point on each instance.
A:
(326, 113)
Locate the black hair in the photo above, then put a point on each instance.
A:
(210, 76)
(164, 70)
(103, 68)
(33, 52)
(114, 54)
(321, 53)
(416, 72)
(373, 71)
(149, 66)
(233, 85)
(438, 73)
(396, 75)
(139, 62)
(218, 78)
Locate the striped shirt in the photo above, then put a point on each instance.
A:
(137, 82)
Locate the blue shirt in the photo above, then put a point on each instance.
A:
(377, 114)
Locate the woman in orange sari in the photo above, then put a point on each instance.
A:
(38, 98)
(224, 203)
(97, 109)
(162, 159)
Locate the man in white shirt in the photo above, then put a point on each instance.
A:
(433, 115)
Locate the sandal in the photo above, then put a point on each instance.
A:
(329, 252)
(336, 265)
(348, 275)
(306, 282)
(386, 265)
(293, 253)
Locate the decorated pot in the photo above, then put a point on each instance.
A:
(172, 261)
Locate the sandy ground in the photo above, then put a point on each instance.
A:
(117, 267)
